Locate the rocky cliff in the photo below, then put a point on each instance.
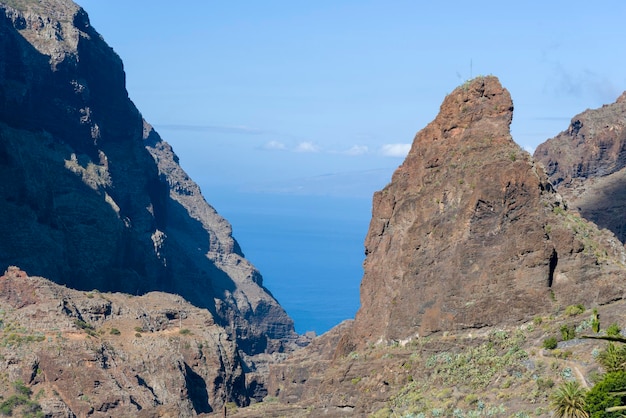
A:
(469, 250)
(112, 354)
(470, 232)
(587, 165)
(91, 197)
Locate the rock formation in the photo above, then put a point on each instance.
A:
(469, 239)
(90, 195)
(587, 165)
(470, 232)
(112, 354)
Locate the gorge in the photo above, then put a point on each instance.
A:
(125, 293)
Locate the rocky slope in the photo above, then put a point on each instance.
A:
(91, 197)
(112, 354)
(587, 165)
(467, 244)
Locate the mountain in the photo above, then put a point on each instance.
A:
(471, 233)
(587, 165)
(471, 256)
(90, 195)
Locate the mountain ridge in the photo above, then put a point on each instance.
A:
(94, 168)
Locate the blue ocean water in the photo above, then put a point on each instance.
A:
(309, 249)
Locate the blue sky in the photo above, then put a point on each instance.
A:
(308, 96)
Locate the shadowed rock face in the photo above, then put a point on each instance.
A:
(91, 197)
(587, 164)
(470, 233)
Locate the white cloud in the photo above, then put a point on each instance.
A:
(395, 150)
(307, 147)
(357, 150)
(275, 145)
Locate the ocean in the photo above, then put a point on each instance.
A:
(309, 249)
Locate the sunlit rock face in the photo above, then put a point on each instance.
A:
(470, 232)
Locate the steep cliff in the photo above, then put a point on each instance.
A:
(91, 197)
(470, 233)
(587, 165)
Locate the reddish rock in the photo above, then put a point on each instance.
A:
(470, 233)
(100, 354)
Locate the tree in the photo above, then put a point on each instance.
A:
(607, 398)
(568, 401)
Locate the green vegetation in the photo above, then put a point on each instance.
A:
(550, 343)
(88, 328)
(477, 366)
(595, 321)
(613, 358)
(574, 310)
(21, 400)
(568, 332)
(568, 401)
(608, 393)
(613, 330)
(115, 331)
(185, 331)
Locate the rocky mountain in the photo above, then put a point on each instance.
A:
(469, 249)
(471, 233)
(587, 165)
(90, 195)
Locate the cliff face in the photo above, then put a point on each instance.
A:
(468, 244)
(470, 233)
(587, 164)
(91, 197)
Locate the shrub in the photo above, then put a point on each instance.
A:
(88, 328)
(613, 358)
(114, 331)
(595, 321)
(550, 343)
(544, 384)
(613, 330)
(568, 332)
(185, 331)
(574, 310)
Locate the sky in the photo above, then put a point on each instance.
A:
(272, 95)
(323, 99)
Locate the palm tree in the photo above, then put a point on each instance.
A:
(568, 401)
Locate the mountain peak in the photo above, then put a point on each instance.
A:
(470, 233)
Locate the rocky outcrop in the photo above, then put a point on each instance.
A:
(469, 239)
(112, 354)
(470, 232)
(91, 197)
(587, 165)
